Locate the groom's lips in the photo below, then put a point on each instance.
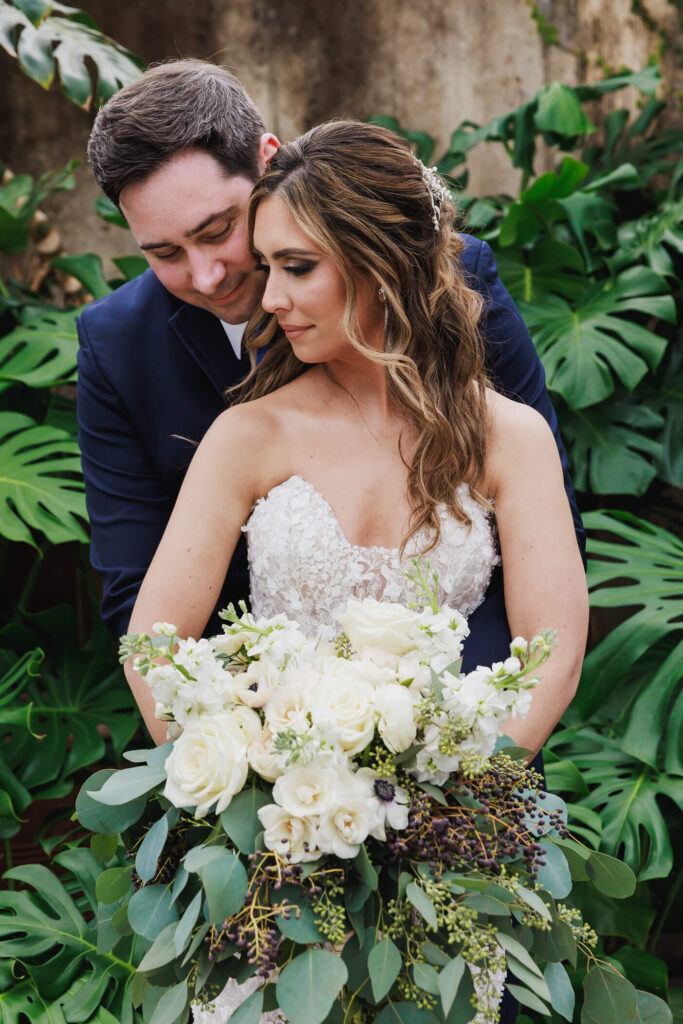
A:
(224, 300)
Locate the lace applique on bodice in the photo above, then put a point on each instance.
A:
(300, 562)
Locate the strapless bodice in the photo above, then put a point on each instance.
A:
(301, 563)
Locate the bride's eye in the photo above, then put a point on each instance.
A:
(262, 266)
(299, 269)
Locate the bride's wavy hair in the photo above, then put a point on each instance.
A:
(358, 192)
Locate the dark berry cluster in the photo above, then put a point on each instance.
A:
(490, 819)
(253, 930)
(175, 848)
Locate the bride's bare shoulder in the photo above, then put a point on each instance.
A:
(520, 439)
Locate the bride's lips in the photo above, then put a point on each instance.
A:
(294, 331)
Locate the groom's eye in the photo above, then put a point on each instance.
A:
(221, 233)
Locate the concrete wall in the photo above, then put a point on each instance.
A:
(431, 63)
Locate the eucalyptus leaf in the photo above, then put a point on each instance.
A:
(150, 849)
(309, 985)
(608, 997)
(128, 784)
(422, 903)
(384, 964)
(650, 1009)
(561, 992)
(449, 982)
(554, 874)
(98, 817)
(225, 883)
(250, 1010)
(240, 818)
(150, 910)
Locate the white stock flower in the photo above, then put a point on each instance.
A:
(390, 627)
(306, 789)
(288, 834)
(164, 628)
(396, 710)
(208, 764)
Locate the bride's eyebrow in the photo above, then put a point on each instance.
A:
(282, 254)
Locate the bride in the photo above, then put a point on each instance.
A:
(367, 432)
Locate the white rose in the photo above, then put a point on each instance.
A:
(208, 764)
(247, 721)
(396, 724)
(262, 758)
(391, 627)
(347, 824)
(307, 789)
(349, 705)
(289, 835)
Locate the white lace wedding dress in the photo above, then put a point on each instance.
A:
(300, 563)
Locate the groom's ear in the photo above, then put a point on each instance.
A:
(267, 147)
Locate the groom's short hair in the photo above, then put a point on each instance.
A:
(180, 105)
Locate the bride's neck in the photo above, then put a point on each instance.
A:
(365, 383)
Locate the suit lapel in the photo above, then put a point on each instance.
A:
(203, 336)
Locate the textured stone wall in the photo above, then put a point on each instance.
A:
(431, 63)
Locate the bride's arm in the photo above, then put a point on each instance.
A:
(544, 578)
(187, 572)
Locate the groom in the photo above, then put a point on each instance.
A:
(178, 151)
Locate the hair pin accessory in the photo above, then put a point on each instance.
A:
(438, 190)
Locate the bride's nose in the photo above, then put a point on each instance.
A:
(275, 296)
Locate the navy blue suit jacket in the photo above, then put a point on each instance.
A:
(152, 372)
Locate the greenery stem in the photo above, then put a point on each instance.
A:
(666, 910)
(31, 579)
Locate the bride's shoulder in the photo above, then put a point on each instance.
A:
(519, 439)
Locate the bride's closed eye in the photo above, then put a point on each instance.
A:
(296, 269)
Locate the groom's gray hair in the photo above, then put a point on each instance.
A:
(180, 105)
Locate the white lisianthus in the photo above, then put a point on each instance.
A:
(208, 765)
(396, 724)
(390, 627)
(308, 789)
(289, 835)
(289, 707)
(519, 647)
(349, 705)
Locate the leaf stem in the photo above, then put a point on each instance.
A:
(666, 910)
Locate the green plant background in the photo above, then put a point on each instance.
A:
(593, 254)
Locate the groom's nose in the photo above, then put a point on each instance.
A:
(206, 271)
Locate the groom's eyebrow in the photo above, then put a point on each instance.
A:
(229, 211)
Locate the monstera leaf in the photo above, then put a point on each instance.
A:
(653, 237)
(549, 265)
(608, 447)
(50, 932)
(41, 352)
(626, 793)
(41, 486)
(666, 396)
(640, 566)
(79, 688)
(585, 346)
(43, 35)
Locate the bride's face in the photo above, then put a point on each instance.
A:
(306, 290)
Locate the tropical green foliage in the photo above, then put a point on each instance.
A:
(45, 36)
(593, 253)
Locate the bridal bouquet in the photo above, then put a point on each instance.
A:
(344, 824)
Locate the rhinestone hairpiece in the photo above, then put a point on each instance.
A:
(437, 188)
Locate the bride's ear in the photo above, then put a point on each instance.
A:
(267, 148)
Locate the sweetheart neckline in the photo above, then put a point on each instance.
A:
(333, 515)
(335, 519)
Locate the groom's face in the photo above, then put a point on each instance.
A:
(188, 218)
